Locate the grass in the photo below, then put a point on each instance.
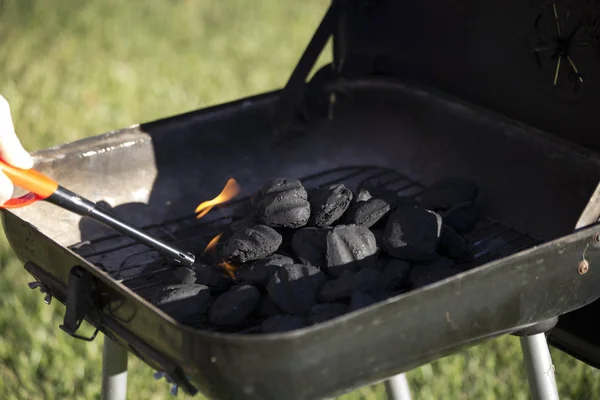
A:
(75, 69)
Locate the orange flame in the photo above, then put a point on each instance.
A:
(211, 245)
(230, 269)
(230, 190)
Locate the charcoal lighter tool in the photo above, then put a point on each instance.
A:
(41, 187)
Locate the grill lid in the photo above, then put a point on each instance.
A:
(537, 62)
(501, 55)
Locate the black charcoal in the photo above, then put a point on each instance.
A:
(454, 246)
(348, 283)
(412, 233)
(283, 323)
(448, 192)
(425, 273)
(462, 217)
(251, 243)
(395, 275)
(360, 300)
(324, 312)
(383, 260)
(260, 271)
(213, 276)
(327, 204)
(391, 197)
(378, 233)
(268, 308)
(185, 303)
(367, 213)
(294, 288)
(350, 247)
(283, 203)
(185, 275)
(363, 195)
(234, 306)
(310, 245)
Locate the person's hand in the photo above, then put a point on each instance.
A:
(11, 150)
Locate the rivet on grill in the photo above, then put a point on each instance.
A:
(583, 268)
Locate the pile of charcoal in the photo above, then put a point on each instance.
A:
(304, 256)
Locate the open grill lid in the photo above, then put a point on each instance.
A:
(536, 61)
(485, 52)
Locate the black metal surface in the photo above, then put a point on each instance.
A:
(157, 172)
(495, 54)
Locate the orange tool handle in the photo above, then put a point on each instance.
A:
(39, 185)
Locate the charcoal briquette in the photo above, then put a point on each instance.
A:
(378, 233)
(185, 275)
(260, 271)
(453, 245)
(234, 306)
(412, 233)
(448, 192)
(283, 203)
(328, 204)
(367, 213)
(363, 195)
(360, 300)
(268, 308)
(310, 245)
(462, 217)
(184, 302)
(213, 276)
(251, 243)
(391, 197)
(425, 273)
(283, 323)
(349, 282)
(324, 312)
(294, 288)
(350, 247)
(395, 275)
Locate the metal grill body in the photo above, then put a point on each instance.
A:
(380, 132)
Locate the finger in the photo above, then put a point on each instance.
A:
(6, 188)
(11, 149)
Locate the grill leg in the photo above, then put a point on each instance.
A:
(114, 370)
(397, 388)
(538, 363)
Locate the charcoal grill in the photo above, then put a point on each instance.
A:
(385, 116)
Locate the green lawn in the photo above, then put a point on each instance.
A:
(73, 69)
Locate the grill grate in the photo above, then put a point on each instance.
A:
(140, 268)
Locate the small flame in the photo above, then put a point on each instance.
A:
(211, 245)
(230, 269)
(230, 190)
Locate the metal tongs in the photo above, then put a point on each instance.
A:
(41, 187)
